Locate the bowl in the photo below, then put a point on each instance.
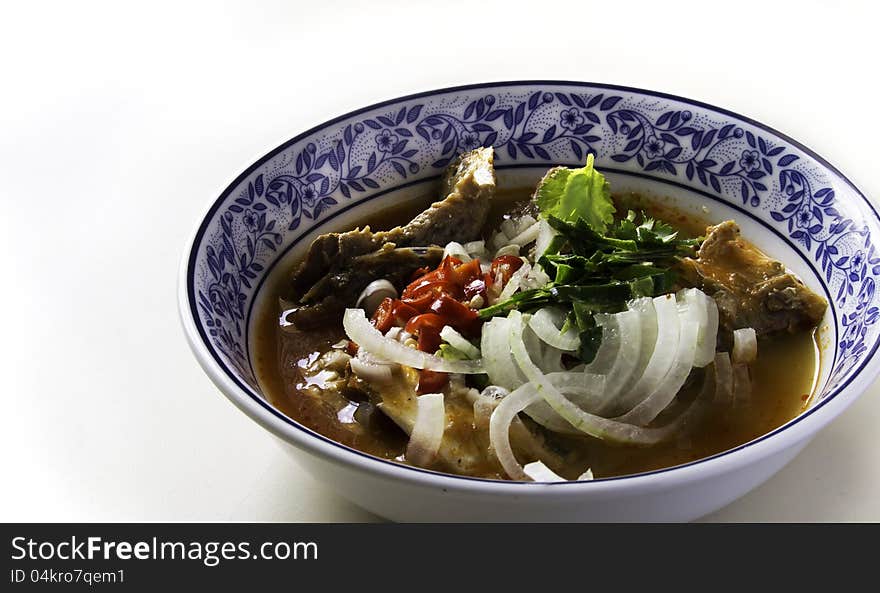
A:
(788, 200)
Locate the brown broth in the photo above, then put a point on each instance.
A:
(776, 397)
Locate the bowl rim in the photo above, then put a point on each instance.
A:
(790, 434)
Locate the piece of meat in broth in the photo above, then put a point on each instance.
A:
(464, 448)
(333, 292)
(339, 265)
(751, 289)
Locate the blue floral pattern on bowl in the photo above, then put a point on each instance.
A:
(352, 159)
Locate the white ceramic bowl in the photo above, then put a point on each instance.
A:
(788, 200)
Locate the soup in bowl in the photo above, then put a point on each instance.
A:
(537, 301)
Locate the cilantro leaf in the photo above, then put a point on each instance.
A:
(573, 194)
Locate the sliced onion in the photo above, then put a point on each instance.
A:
(536, 278)
(527, 235)
(456, 250)
(369, 371)
(507, 250)
(709, 333)
(587, 423)
(543, 414)
(610, 345)
(374, 293)
(723, 379)
(547, 324)
(515, 282)
(584, 389)
(665, 391)
(546, 234)
(547, 357)
(745, 345)
(587, 475)
(662, 355)
(427, 432)
(476, 249)
(541, 388)
(370, 358)
(514, 226)
(742, 383)
(643, 344)
(499, 430)
(459, 342)
(629, 324)
(539, 472)
(700, 310)
(362, 332)
(693, 315)
(497, 359)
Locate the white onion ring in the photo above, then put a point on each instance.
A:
(745, 345)
(547, 324)
(723, 379)
(459, 342)
(662, 355)
(596, 426)
(539, 472)
(427, 432)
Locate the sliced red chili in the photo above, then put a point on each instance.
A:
(436, 288)
(402, 312)
(429, 339)
(382, 318)
(427, 326)
(418, 274)
(431, 381)
(468, 272)
(432, 301)
(392, 313)
(456, 315)
(507, 265)
(446, 269)
(416, 284)
(421, 304)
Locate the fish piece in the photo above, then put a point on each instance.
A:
(469, 186)
(751, 289)
(465, 447)
(324, 301)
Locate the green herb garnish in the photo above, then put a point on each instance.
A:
(576, 194)
(596, 263)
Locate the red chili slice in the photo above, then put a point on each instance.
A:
(456, 315)
(507, 265)
(436, 288)
(468, 272)
(382, 319)
(418, 274)
(421, 304)
(392, 313)
(431, 381)
(427, 326)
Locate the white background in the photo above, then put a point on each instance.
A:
(119, 123)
